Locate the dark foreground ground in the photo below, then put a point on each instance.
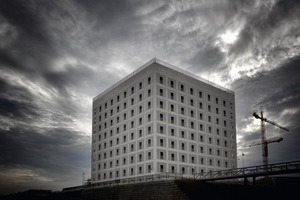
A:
(287, 188)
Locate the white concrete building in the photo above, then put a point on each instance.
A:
(161, 118)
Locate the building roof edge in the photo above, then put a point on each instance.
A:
(153, 60)
(163, 63)
(193, 75)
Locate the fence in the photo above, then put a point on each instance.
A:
(146, 178)
(254, 171)
(261, 170)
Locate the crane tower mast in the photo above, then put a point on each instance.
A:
(264, 142)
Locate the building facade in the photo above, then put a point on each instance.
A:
(160, 119)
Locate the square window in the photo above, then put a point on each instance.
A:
(161, 80)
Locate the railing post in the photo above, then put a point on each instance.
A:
(245, 181)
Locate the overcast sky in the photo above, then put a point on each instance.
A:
(55, 56)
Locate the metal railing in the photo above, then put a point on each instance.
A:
(254, 171)
(139, 179)
(260, 170)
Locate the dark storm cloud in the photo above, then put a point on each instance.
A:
(16, 103)
(49, 33)
(19, 104)
(33, 53)
(208, 59)
(74, 76)
(30, 26)
(18, 110)
(282, 10)
(111, 22)
(41, 142)
(107, 12)
(8, 61)
(32, 46)
(263, 24)
(44, 155)
(44, 149)
(278, 88)
(24, 143)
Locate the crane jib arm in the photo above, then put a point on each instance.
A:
(270, 122)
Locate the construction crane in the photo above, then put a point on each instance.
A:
(259, 143)
(264, 142)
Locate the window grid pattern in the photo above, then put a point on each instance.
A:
(191, 128)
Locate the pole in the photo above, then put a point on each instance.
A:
(243, 159)
(82, 178)
(264, 144)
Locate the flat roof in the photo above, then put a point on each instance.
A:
(156, 60)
